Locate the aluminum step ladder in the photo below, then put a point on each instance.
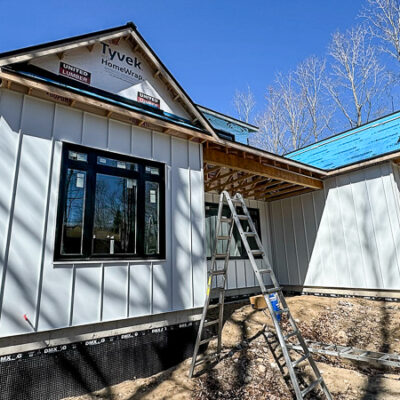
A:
(235, 204)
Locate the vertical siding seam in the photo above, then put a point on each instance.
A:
(358, 233)
(344, 233)
(82, 126)
(12, 206)
(71, 306)
(108, 134)
(295, 241)
(390, 220)
(152, 144)
(45, 225)
(284, 244)
(203, 217)
(272, 235)
(128, 290)
(151, 287)
(305, 230)
(101, 310)
(331, 247)
(131, 140)
(373, 228)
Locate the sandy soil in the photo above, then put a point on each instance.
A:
(250, 369)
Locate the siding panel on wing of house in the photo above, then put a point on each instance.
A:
(350, 231)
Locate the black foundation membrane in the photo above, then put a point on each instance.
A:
(76, 369)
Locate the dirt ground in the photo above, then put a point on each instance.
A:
(250, 369)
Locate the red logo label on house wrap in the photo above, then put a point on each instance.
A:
(147, 99)
(74, 73)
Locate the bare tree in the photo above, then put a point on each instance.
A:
(272, 132)
(244, 103)
(357, 78)
(384, 19)
(310, 77)
(294, 110)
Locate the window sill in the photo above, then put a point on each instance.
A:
(115, 261)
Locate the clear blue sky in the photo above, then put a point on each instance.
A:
(211, 46)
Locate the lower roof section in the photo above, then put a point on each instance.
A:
(357, 145)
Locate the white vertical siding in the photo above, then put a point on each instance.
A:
(346, 235)
(61, 295)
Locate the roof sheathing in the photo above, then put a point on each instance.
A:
(353, 148)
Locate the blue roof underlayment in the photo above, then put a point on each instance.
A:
(359, 144)
(225, 125)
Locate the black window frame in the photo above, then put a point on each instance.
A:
(256, 219)
(92, 167)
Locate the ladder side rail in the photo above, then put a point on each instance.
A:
(266, 260)
(209, 288)
(217, 229)
(222, 291)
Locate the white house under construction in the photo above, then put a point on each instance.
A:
(109, 181)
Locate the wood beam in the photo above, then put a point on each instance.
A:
(254, 167)
(212, 169)
(284, 191)
(221, 185)
(291, 194)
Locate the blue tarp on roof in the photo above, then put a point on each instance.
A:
(226, 125)
(368, 141)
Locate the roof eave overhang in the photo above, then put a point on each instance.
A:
(30, 86)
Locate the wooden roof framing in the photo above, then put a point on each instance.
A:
(257, 175)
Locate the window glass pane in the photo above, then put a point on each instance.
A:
(109, 162)
(152, 212)
(73, 155)
(73, 212)
(236, 246)
(152, 170)
(114, 230)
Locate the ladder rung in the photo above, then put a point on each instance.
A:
(264, 271)
(272, 290)
(243, 216)
(257, 252)
(210, 323)
(226, 219)
(289, 335)
(204, 341)
(221, 255)
(237, 201)
(311, 387)
(223, 237)
(301, 359)
(218, 272)
(208, 357)
(249, 234)
(212, 306)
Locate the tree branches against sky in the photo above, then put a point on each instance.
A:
(351, 84)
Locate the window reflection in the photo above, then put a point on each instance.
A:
(72, 228)
(115, 215)
(151, 228)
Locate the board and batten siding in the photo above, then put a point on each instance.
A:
(61, 295)
(240, 274)
(346, 235)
